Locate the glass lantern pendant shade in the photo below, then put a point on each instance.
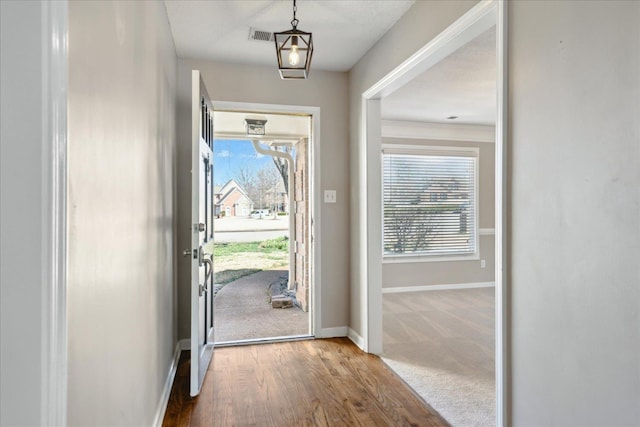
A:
(294, 49)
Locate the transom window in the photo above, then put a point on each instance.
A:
(429, 200)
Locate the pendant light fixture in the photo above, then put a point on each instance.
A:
(294, 49)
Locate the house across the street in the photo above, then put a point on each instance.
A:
(233, 200)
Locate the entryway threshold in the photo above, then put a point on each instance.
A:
(264, 340)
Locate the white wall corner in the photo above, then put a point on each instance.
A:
(356, 338)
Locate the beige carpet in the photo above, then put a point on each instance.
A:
(441, 344)
(242, 311)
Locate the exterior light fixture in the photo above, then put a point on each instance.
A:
(255, 127)
(294, 49)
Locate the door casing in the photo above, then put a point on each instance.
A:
(467, 27)
(314, 193)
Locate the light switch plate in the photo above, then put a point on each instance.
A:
(329, 196)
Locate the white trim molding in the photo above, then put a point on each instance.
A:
(484, 15)
(470, 25)
(438, 131)
(168, 384)
(449, 287)
(315, 322)
(54, 216)
(340, 331)
(487, 231)
(356, 339)
(503, 408)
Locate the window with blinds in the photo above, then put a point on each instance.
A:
(429, 200)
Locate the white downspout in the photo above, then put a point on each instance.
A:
(292, 218)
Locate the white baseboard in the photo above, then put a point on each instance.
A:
(340, 331)
(356, 338)
(438, 287)
(184, 344)
(166, 392)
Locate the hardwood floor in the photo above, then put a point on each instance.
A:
(303, 383)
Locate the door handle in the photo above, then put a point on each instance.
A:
(208, 267)
(208, 270)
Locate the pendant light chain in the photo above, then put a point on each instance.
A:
(294, 22)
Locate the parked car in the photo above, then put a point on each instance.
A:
(260, 213)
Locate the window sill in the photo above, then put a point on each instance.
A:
(403, 259)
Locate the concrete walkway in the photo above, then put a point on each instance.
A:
(242, 310)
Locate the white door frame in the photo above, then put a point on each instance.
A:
(314, 191)
(55, 58)
(477, 20)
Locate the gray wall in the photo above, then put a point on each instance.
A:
(575, 212)
(401, 274)
(22, 213)
(121, 316)
(421, 23)
(253, 84)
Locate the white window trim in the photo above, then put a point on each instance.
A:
(434, 150)
(404, 259)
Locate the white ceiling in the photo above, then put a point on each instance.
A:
(463, 84)
(343, 30)
(279, 127)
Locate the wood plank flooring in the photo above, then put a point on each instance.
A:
(303, 383)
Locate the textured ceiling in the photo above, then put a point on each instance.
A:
(342, 30)
(463, 85)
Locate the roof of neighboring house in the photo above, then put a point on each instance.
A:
(229, 189)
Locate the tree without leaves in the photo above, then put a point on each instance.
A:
(245, 175)
(266, 182)
(282, 165)
(413, 230)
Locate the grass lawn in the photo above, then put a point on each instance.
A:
(235, 260)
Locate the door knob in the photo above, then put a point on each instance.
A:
(186, 252)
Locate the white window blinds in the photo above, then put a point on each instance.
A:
(429, 200)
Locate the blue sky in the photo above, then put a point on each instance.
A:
(233, 154)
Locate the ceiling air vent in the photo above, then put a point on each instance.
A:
(260, 35)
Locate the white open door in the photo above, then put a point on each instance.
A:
(201, 233)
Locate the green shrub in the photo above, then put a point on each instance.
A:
(281, 243)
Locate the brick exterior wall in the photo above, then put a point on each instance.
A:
(301, 198)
